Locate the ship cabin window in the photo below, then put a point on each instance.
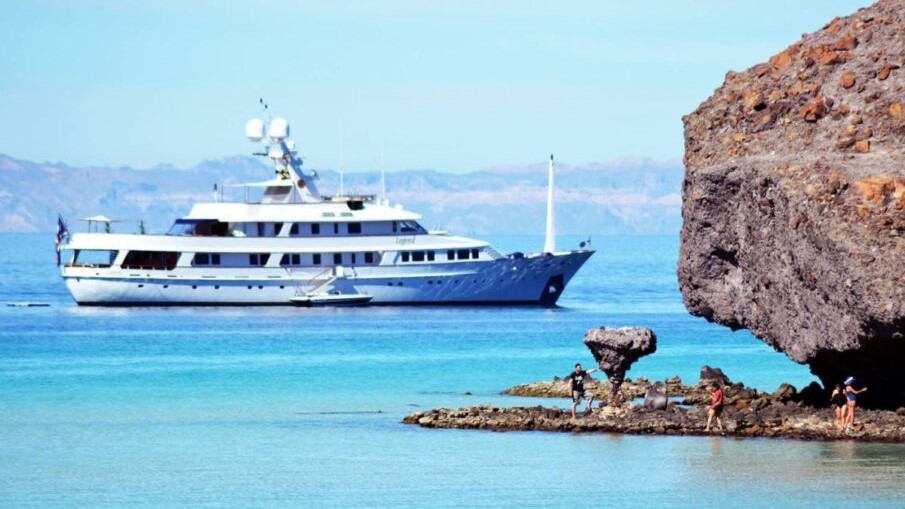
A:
(258, 260)
(410, 227)
(202, 259)
(369, 258)
(474, 254)
(417, 256)
(291, 260)
(395, 227)
(99, 258)
(335, 228)
(462, 254)
(294, 229)
(337, 259)
(199, 228)
(150, 260)
(262, 229)
(315, 228)
(316, 259)
(354, 228)
(450, 255)
(353, 258)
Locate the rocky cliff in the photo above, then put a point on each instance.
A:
(794, 202)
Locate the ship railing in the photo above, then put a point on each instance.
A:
(322, 279)
(496, 255)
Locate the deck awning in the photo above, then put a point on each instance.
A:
(101, 219)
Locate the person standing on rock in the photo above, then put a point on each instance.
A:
(839, 402)
(576, 380)
(852, 395)
(716, 407)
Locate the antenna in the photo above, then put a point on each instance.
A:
(383, 180)
(264, 107)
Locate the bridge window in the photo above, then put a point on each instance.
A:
(405, 256)
(93, 258)
(474, 254)
(418, 256)
(199, 228)
(151, 260)
(410, 227)
(294, 229)
(430, 256)
(462, 254)
(450, 255)
(369, 257)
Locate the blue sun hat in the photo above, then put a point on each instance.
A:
(849, 380)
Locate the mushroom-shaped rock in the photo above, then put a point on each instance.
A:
(616, 349)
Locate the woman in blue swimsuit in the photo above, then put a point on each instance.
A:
(851, 394)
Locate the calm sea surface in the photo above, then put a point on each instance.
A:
(286, 407)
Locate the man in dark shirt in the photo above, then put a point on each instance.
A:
(576, 380)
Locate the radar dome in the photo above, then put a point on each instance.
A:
(279, 128)
(254, 129)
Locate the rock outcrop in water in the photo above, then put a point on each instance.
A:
(748, 413)
(794, 202)
(616, 349)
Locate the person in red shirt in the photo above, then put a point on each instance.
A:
(716, 407)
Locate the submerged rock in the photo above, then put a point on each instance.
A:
(794, 203)
(655, 400)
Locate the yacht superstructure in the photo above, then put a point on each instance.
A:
(295, 244)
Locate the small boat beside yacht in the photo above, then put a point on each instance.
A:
(291, 245)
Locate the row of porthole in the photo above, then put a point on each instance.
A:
(455, 281)
(216, 287)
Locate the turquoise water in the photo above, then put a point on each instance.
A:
(287, 407)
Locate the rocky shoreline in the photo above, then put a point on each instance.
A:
(786, 413)
(774, 421)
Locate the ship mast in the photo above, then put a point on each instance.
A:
(550, 241)
(273, 134)
(383, 180)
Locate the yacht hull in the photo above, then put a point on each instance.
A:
(535, 280)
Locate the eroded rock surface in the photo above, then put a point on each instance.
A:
(616, 349)
(779, 420)
(794, 202)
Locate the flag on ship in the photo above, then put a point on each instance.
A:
(62, 233)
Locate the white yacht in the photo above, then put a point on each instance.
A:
(294, 245)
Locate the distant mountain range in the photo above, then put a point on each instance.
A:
(620, 197)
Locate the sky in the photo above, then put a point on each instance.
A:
(452, 86)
